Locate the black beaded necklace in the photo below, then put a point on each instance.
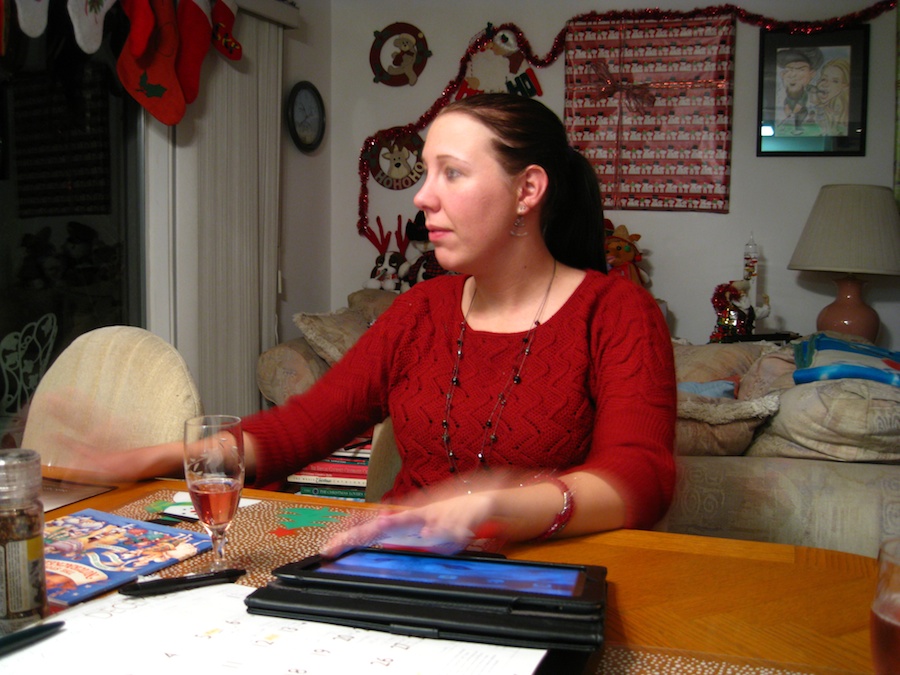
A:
(493, 421)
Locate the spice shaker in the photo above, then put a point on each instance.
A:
(23, 586)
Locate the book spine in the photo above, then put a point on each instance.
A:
(356, 453)
(337, 468)
(315, 479)
(335, 492)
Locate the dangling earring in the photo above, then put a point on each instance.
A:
(518, 224)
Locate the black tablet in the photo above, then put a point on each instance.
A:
(468, 597)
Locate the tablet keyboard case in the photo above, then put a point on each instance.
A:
(447, 618)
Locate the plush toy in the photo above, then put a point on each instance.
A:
(622, 254)
(385, 274)
(735, 311)
(426, 265)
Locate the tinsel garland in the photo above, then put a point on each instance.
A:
(792, 27)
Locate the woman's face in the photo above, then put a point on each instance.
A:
(468, 199)
(830, 84)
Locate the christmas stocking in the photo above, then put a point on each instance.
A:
(195, 35)
(87, 20)
(140, 15)
(32, 16)
(223, 13)
(151, 78)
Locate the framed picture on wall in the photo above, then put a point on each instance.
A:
(812, 92)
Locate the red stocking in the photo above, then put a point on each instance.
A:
(195, 35)
(223, 13)
(142, 21)
(151, 78)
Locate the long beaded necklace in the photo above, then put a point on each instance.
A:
(490, 426)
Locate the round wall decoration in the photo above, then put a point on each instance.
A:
(305, 116)
(395, 159)
(404, 49)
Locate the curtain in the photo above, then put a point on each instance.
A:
(211, 211)
(237, 140)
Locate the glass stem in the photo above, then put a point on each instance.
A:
(218, 542)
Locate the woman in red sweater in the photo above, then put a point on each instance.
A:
(531, 394)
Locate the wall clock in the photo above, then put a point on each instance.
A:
(305, 114)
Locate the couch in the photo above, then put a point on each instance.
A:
(759, 457)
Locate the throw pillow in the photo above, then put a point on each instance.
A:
(331, 334)
(288, 368)
(716, 361)
(849, 420)
(370, 302)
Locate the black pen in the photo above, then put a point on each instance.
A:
(161, 586)
(26, 636)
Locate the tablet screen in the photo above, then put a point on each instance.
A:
(462, 572)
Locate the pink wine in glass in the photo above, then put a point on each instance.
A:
(216, 500)
(885, 633)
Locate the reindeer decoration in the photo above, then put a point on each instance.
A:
(386, 273)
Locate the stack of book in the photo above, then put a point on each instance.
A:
(342, 475)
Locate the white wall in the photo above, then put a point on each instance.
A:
(306, 179)
(689, 253)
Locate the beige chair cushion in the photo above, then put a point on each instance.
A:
(119, 386)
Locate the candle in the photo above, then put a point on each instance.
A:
(751, 263)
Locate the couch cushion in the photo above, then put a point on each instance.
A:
(834, 505)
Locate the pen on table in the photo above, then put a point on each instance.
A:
(161, 586)
(26, 636)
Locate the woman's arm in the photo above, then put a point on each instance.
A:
(91, 461)
(516, 513)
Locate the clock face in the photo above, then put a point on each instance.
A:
(306, 116)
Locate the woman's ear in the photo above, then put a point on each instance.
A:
(533, 184)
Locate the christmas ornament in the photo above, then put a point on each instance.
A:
(735, 312)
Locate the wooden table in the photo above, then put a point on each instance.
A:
(689, 596)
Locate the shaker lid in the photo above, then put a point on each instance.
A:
(20, 473)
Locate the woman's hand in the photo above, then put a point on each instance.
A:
(446, 525)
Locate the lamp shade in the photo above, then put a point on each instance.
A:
(853, 229)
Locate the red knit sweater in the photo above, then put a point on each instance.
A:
(597, 393)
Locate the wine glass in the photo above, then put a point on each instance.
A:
(214, 472)
(885, 614)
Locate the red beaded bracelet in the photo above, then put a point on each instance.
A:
(565, 515)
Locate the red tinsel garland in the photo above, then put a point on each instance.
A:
(766, 23)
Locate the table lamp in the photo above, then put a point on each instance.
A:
(854, 229)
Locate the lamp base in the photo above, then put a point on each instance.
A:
(849, 313)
